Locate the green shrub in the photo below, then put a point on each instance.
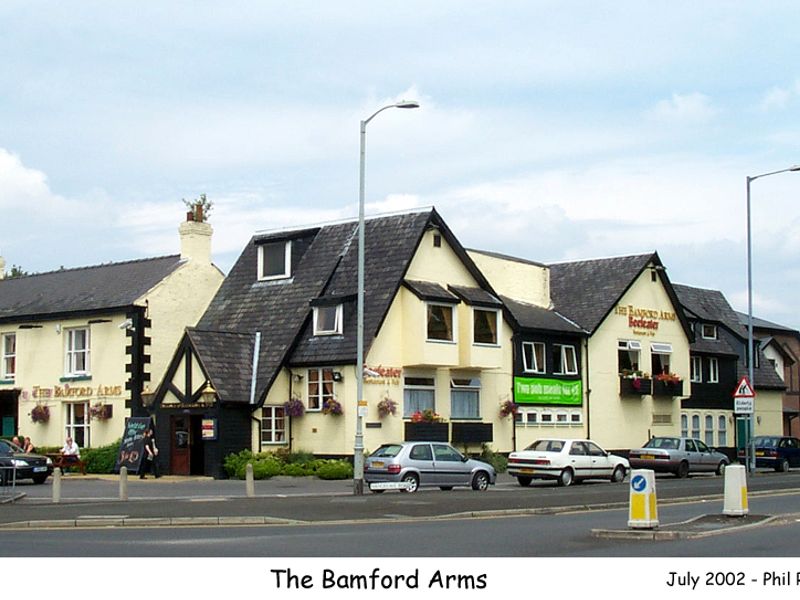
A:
(335, 469)
(234, 463)
(295, 470)
(264, 469)
(102, 459)
(497, 460)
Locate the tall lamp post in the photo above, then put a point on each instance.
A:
(751, 455)
(358, 448)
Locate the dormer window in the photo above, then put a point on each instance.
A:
(709, 332)
(328, 320)
(275, 260)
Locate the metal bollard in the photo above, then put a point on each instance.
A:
(643, 511)
(56, 486)
(735, 491)
(250, 485)
(123, 483)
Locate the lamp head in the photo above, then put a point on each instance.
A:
(794, 168)
(415, 104)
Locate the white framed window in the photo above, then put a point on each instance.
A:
(546, 418)
(441, 325)
(533, 357)
(532, 417)
(696, 426)
(709, 430)
(8, 361)
(77, 359)
(485, 326)
(565, 360)
(465, 398)
(713, 370)
(328, 320)
(320, 388)
(722, 430)
(697, 370)
(273, 425)
(684, 425)
(660, 355)
(628, 354)
(562, 418)
(275, 260)
(78, 427)
(708, 332)
(576, 417)
(419, 394)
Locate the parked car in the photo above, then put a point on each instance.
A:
(420, 464)
(26, 465)
(566, 461)
(678, 455)
(775, 452)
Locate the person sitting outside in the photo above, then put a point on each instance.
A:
(71, 453)
(29, 447)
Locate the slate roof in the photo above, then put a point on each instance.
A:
(586, 291)
(85, 289)
(475, 296)
(530, 316)
(227, 357)
(764, 324)
(430, 291)
(325, 267)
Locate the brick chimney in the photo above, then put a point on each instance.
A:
(195, 239)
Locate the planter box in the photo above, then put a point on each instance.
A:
(667, 388)
(472, 433)
(429, 432)
(635, 387)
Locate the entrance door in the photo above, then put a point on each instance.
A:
(180, 445)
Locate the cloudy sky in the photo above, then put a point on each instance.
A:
(548, 130)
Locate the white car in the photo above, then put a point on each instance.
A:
(566, 461)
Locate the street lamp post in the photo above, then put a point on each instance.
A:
(751, 455)
(358, 448)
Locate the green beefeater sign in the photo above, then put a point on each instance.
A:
(529, 390)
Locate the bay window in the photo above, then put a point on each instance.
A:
(440, 322)
(485, 326)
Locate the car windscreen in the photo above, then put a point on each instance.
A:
(765, 442)
(665, 443)
(387, 451)
(546, 446)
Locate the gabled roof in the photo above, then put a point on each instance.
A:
(324, 271)
(227, 358)
(82, 290)
(586, 291)
(767, 325)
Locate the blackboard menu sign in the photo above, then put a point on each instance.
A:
(131, 449)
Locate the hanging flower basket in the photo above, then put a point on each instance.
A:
(40, 413)
(387, 407)
(100, 411)
(508, 407)
(294, 407)
(332, 407)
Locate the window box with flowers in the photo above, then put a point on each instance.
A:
(428, 426)
(635, 383)
(332, 407)
(667, 384)
(40, 413)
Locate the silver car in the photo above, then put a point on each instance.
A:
(426, 464)
(678, 455)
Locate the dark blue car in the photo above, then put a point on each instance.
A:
(777, 452)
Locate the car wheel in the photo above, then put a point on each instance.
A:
(524, 481)
(481, 481)
(412, 483)
(683, 470)
(40, 479)
(618, 476)
(721, 467)
(566, 477)
(445, 488)
(783, 466)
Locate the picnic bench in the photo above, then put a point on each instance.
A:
(65, 461)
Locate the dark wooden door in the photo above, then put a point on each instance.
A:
(180, 462)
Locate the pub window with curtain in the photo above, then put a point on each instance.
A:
(440, 322)
(485, 326)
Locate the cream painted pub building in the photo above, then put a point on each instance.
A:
(79, 346)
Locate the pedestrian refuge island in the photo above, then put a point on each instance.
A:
(643, 508)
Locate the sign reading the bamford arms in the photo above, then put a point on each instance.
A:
(644, 321)
(76, 391)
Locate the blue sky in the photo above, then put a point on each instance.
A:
(548, 130)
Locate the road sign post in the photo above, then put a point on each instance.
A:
(744, 400)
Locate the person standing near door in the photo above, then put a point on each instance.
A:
(150, 454)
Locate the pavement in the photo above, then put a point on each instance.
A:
(170, 501)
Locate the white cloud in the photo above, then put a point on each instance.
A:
(684, 108)
(776, 99)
